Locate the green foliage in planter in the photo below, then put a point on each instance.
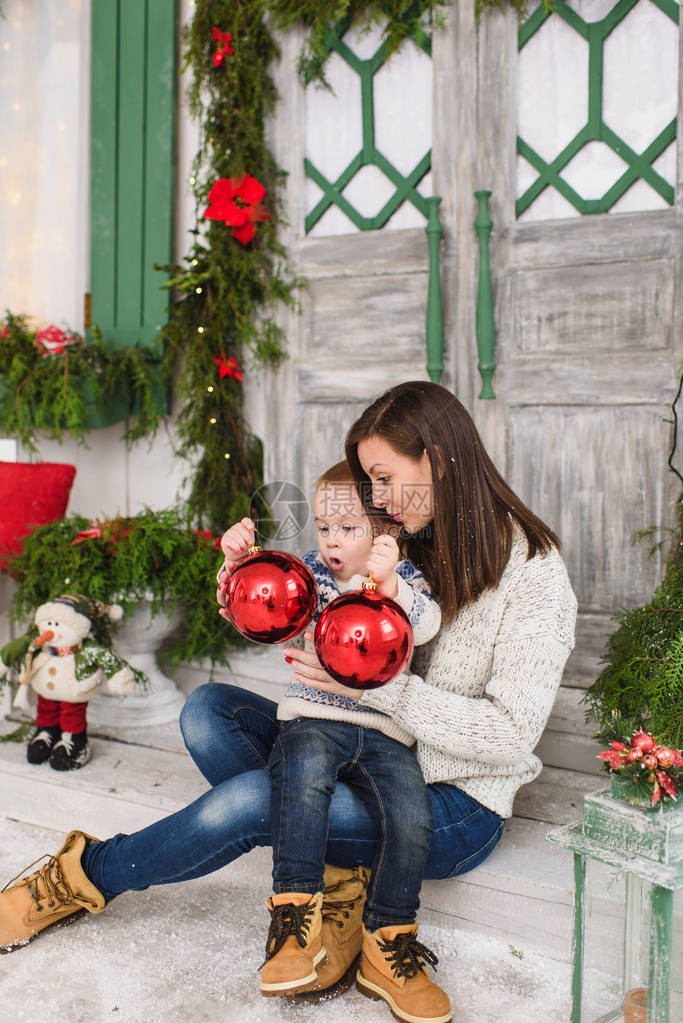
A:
(153, 554)
(642, 683)
(68, 392)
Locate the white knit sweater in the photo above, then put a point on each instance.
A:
(483, 688)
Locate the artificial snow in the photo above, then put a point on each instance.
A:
(191, 952)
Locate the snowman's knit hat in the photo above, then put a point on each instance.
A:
(76, 610)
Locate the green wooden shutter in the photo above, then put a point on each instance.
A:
(132, 165)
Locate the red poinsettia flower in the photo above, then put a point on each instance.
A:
(224, 41)
(237, 202)
(53, 340)
(229, 367)
(5, 331)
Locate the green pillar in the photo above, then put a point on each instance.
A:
(661, 939)
(486, 330)
(579, 931)
(434, 326)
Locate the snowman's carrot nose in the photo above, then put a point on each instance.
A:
(45, 637)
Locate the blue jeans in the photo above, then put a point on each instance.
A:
(229, 733)
(307, 757)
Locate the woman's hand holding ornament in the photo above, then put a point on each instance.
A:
(307, 669)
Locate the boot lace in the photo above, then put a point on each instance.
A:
(406, 955)
(56, 889)
(287, 921)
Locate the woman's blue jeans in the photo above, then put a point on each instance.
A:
(229, 733)
(307, 758)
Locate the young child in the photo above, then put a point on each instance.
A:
(327, 736)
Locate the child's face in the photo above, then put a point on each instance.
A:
(344, 530)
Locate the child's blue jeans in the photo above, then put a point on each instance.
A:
(307, 758)
(229, 733)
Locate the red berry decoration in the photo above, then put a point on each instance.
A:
(643, 740)
(363, 639)
(271, 596)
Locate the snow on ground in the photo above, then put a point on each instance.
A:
(190, 953)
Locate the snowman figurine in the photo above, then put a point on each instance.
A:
(66, 667)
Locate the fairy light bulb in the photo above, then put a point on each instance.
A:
(210, 389)
(200, 330)
(197, 291)
(226, 455)
(212, 420)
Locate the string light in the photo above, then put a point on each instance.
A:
(198, 291)
(193, 180)
(210, 389)
(195, 262)
(200, 330)
(212, 420)
(226, 455)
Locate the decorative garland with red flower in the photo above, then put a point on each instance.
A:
(224, 322)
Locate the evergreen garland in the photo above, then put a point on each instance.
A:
(642, 684)
(153, 555)
(401, 19)
(227, 291)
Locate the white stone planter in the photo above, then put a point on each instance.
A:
(137, 641)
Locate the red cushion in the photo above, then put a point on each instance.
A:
(31, 494)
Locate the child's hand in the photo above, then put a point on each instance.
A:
(382, 562)
(235, 545)
(236, 542)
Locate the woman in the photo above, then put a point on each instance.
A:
(478, 701)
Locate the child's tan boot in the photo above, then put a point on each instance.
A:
(342, 932)
(54, 894)
(393, 968)
(294, 945)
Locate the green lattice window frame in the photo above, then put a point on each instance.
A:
(595, 129)
(369, 154)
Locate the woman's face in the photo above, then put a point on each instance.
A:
(401, 485)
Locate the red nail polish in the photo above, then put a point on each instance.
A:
(289, 660)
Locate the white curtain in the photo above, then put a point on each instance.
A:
(44, 159)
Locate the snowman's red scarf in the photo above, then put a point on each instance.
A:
(63, 651)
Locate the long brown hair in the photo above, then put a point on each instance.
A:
(468, 544)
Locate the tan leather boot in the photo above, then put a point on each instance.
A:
(294, 946)
(392, 967)
(56, 893)
(342, 932)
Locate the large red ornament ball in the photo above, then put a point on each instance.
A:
(363, 639)
(271, 596)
